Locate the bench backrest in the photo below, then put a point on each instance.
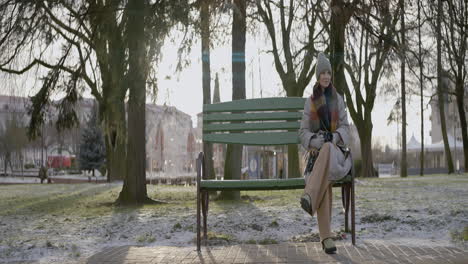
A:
(265, 121)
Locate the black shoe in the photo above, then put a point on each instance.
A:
(328, 246)
(306, 205)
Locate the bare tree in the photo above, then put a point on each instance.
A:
(403, 165)
(206, 77)
(454, 35)
(374, 34)
(421, 80)
(440, 94)
(233, 164)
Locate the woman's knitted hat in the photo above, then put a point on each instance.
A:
(323, 64)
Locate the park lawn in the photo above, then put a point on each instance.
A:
(68, 222)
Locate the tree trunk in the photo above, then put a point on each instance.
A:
(232, 167)
(421, 86)
(5, 163)
(339, 19)
(206, 79)
(365, 134)
(115, 134)
(134, 189)
(403, 165)
(461, 112)
(440, 96)
(232, 170)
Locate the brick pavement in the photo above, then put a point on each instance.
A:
(364, 252)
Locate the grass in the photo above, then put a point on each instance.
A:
(96, 200)
(145, 238)
(461, 235)
(85, 200)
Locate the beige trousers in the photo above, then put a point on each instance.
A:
(319, 188)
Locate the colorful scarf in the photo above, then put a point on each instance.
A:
(324, 108)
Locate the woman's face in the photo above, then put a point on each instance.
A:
(324, 79)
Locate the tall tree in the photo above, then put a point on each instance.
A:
(374, 33)
(293, 58)
(454, 34)
(421, 87)
(95, 52)
(134, 189)
(233, 164)
(403, 165)
(440, 95)
(206, 77)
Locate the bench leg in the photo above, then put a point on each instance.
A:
(204, 202)
(345, 202)
(348, 194)
(353, 225)
(199, 167)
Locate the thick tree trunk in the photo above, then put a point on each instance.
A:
(232, 167)
(134, 189)
(115, 138)
(463, 125)
(440, 95)
(293, 161)
(206, 79)
(403, 165)
(339, 19)
(232, 170)
(293, 150)
(365, 135)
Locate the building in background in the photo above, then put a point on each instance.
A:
(170, 138)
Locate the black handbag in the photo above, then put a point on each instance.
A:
(312, 157)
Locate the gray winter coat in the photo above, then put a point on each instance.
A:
(340, 164)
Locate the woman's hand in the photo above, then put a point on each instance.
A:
(316, 141)
(336, 138)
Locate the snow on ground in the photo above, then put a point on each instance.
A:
(66, 223)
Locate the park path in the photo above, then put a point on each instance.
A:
(364, 252)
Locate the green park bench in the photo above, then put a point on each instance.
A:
(261, 122)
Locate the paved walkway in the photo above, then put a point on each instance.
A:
(364, 252)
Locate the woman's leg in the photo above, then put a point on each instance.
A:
(324, 215)
(318, 188)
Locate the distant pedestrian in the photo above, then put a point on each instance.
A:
(43, 174)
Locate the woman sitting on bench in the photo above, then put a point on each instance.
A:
(324, 132)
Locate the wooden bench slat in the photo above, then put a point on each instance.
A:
(226, 117)
(261, 184)
(259, 138)
(251, 126)
(262, 104)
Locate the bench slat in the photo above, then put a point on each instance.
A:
(262, 104)
(259, 139)
(251, 126)
(217, 117)
(263, 184)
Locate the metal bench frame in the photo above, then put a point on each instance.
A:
(280, 117)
